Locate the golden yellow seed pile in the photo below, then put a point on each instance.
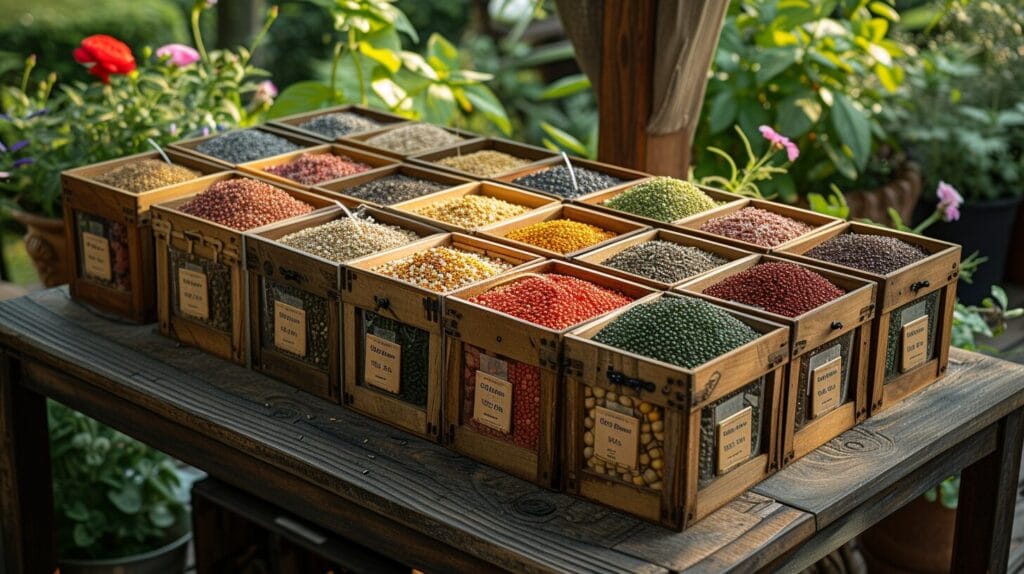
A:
(485, 163)
(443, 269)
(472, 211)
(561, 235)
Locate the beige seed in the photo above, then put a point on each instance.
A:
(588, 438)
(658, 426)
(611, 397)
(599, 392)
(645, 438)
(588, 423)
(657, 464)
(645, 428)
(655, 454)
(589, 402)
(644, 408)
(588, 453)
(625, 401)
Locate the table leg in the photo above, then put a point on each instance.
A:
(26, 495)
(988, 492)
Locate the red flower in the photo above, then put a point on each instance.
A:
(105, 55)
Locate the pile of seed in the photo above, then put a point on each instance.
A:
(414, 368)
(414, 138)
(443, 269)
(757, 226)
(875, 253)
(472, 211)
(344, 239)
(245, 145)
(679, 330)
(664, 261)
(557, 180)
(339, 124)
(484, 163)
(145, 175)
(525, 380)
(662, 198)
(781, 288)
(393, 189)
(561, 235)
(314, 168)
(244, 203)
(552, 300)
(650, 468)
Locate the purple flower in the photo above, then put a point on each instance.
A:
(180, 55)
(23, 161)
(951, 212)
(780, 141)
(206, 131)
(41, 112)
(3, 148)
(18, 145)
(267, 88)
(5, 117)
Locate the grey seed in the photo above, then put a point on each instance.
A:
(245, 145)
(393, 189)
(557, 180)
(664, 261)
(340, 124)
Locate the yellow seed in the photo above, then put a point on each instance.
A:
(472, 211)
(561, 235)
(644, 408)
(654, 415)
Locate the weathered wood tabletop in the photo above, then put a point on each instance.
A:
(430, 508)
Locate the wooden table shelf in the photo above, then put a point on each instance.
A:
(429, 508)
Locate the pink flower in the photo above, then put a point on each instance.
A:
(948, 195)
(5, 174)
(180, 54)
(781, 142)
(267, 89)
(951, 212)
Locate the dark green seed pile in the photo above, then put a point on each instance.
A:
(393, 189)
(557, 180)
(339, 124)
(662, 198)
(664, 261)
(245, 145)
(682, 331)
(874, 253)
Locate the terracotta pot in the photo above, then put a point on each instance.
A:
(44, 241)
(900, 193)
(916, 538)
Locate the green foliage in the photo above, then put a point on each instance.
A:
(815, 71)
(947, 493)
(113, 496)
(987, 320)
(748, 179)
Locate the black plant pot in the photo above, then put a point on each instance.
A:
(984, 226)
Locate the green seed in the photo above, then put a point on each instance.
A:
(662, 198)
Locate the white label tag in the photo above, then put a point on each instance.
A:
(616, 437)
(289, 328)
(193, 296)
(492, 402)
(96, 252)
(733, 439)
(382, 364)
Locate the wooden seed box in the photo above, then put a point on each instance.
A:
(628, 176)
(621, 227)
(404, 321)
(98, 218)
(200, 283)
(259, 167)
(739, 394)
(189, 146)
(691, 226)
(596, 201)
(924, 289)
(533, 201)
(596, 258)
(829, 363)
(521, 361)
(289, 288)
(536, 156)
(291, 123)
(359, 140)
(339, 189)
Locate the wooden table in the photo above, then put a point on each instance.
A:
(427, 507)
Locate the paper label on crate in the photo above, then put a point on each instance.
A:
(915, 344)
(96, 256)
(289, 328)
(494, 366)
(616, 437)
(826, 386)
(382, 366)
(733, 439)
(492, 402)
(193, 296)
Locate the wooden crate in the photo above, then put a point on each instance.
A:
(259, 167)
(305, 288)
(212, 255)
(833, 340)
(189, 146)
(628, 176)
(359, 140)
(595, 258)
(480, 339)
(621, 227)
(931, 281)
(291, 123)
(691, 226)
(533, 201)
(689, 404)
(536, 156)
(120, 283)
(371, 297)
(339, 189)
(596, 201)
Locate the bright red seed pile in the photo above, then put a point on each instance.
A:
(525, 381)
(244, 203)
(757, 226)
(781, 288)
(313, 168)
(552, 300)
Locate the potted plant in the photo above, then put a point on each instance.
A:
(117, 501)
(46, 127)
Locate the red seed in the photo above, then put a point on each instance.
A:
(313, 168)
(781, 288)
(552, 300)
(244, 203)
(757, 226)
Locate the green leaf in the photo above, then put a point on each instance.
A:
(564, 140)
(302, 97)
(722, 111)
(439, 48)
(884, 10)
(486, 102)
(128, 500)
(773, 62)
(385, 57)
(438, 104)
(853, 128)
(796, 114)
(999, 294)
(161, 516)
(82, 536)
(566, 86)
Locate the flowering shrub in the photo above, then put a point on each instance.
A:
(105, 55)
(758, 169)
